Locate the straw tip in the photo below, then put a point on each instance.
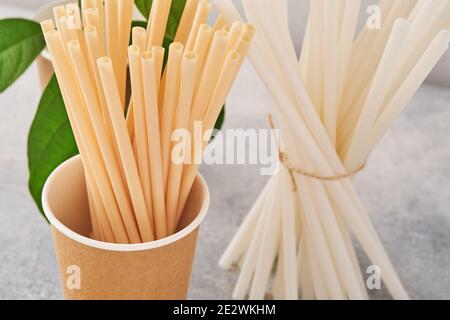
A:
(46, 22)
(247, 38)
(134, 49)
(73, 44)
(60, 8)
(47, 25)
(90, 29)
(249, 27)
(221, 34)
(104, 61)
(147, 55)
(190, 55)
(237, 24)
(139, 30)
(176, 46)
(158, 50)
(205, 27)
(234, 55)
(51, 33)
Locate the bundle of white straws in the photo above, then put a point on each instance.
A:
(333, 105)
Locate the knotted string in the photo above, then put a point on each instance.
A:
(294, 169)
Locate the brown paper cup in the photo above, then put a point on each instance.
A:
(91, 269)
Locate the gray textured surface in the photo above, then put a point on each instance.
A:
(405, 188)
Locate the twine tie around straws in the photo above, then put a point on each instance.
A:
(292, 169)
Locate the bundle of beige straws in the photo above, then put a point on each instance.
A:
(333, 105)
(136, 193)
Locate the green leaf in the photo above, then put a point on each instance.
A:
(176, 11)
(219, 123)
(137, 23)
(144, 6)
(50, 141)
(21, 41)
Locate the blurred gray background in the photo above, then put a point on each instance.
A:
(405, 188)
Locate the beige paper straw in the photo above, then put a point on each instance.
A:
(93, 19)
(140, 125)
(201, 17)
(96, 233)
(187, 18)
(235, 33)
(125, 148)
(171, 94)
(186, 92)
(139, 38)
(73, 100)
(201, 47)
(94, 200)
(223, 86)
(106, 231)
(158, 54)
(73, 10)
(86, 5)
(209, 77)
(112, 34)
(100, 5)
(125, 13)
(96, 51)
(47, 25)
(58, 13)
(88, 90)
(157, 23)
(67, 34)
(153, 132)
(219, 24)
(243, 45)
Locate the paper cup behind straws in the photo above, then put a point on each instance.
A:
(91, 269)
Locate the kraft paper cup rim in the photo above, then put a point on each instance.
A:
(117, 246)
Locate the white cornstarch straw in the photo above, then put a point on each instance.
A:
(333, 105)
(136, 191)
